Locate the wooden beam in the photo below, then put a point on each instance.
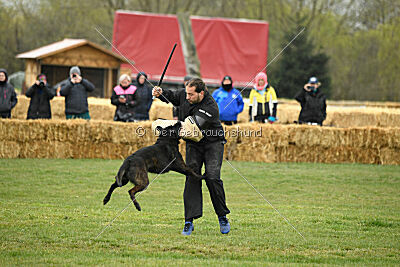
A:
(32, 69)
(109, 85)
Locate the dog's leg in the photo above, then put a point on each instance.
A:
(133, 191)
(112, 188)
(141, 183)
(108, 196)
(180, 166)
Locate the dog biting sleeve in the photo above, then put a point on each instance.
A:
(162, 124)
(190, 130)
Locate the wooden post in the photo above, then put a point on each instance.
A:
(108, 84)
(32, 69)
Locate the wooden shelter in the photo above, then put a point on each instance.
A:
(98, 64)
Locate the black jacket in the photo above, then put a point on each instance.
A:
(124, 111)
(207, 110)
(8, 97)
(76, 96)
(39, 106)
(313, 106)
(145, 99)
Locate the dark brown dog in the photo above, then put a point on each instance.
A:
(159, 158)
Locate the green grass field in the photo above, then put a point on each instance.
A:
(51, 211)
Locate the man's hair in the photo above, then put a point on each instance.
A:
(198, 84)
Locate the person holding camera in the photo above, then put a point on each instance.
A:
(75, 90)
(313, 103)
(8, 97)
(40, 94)
(124, 97)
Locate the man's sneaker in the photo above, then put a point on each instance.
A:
(224, 225)
(187, 230)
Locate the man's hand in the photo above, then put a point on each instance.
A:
(75, 78)
(157, 91)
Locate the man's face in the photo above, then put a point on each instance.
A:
(2, 77)
(192, 96)
(226, 82)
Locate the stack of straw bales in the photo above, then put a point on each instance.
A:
(288, 112)
(246, 142)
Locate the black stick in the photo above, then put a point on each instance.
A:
(166, 66)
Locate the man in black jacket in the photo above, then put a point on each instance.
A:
(313, 103)
(76, 91)
(197, 105)
(143, 97)
(8, 97)
(40, 94)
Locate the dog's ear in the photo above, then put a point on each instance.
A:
(159, 130)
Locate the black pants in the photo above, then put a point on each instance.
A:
(211, 154)
(229, 122)
(5, 115)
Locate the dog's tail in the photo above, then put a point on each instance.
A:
(121, 173)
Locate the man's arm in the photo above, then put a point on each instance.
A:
(168, 96)
(14, 99)
(88, 85)
(240, 102)
(324, 107)
(48, 89)
(30, 91)
(300, 96)
(66, 88)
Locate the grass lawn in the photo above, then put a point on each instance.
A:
(51, 211)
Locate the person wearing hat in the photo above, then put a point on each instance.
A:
(262, 99)
(40, 94)
(75, 90)
(313, 103)
(229, 100)
(144, 98)
(8, 97)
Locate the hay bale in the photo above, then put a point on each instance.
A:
(9, 149)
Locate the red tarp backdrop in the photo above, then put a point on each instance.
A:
(224, 46)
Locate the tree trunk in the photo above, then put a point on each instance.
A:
(188, 45)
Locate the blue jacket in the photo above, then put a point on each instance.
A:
(223, 98)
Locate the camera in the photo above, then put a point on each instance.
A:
(311, 87)
(74, 75)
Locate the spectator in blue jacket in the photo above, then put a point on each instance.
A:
(229, 100)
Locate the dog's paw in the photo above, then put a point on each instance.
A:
(137, 206)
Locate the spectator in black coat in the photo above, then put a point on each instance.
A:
(144, 98)
(75, 91)
(124, 97)
(8, 97)
(40, 94)
(313, 103)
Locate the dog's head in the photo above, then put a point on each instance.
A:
(169, 132)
